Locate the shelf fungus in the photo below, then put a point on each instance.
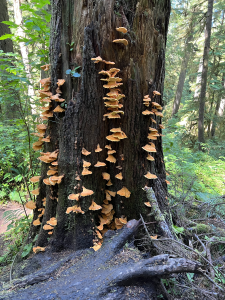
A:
(124, 192)
(86, 171)
(150, 176)
(30, 205)
(151, 158)
(74, 197)
(35, 179)
(156, 93)
(96, 59)
(58, 109)
(119, 176)
(94, 206)
(86, 192)
(148, 204)
(121, 41)
(100, 164)
(36, 222)
(111, 159)
(98, 149)
(149, 148)
(75, 208)
(106, 176)
(122, 29)
(35, 192)
(52, 221)
(38, 249)
(86, 164)
(85, 152)
(147, 112)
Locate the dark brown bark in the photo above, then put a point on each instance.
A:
(91, 27)
(208, 27)
(5, 45)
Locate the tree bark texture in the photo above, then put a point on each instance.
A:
(208, 27)
(90, 27)
(5, 45)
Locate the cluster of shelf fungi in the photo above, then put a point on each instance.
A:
(113, 104)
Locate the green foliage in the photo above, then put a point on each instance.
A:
(15, 235)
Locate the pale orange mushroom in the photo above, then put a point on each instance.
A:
(36, 222)
(124, 192)
(121, 41)
(96, 59)
(86, 172)
(109, 183)
(47, 181)
(86, 192)
(106, 208)
(46, 139)
(58, 109)
(119, 176)
(46, 68)
(161, 126)
(98, 149)
(159, 114)
(108, 147)
(51, 172)
(74, 197)
(85, 152)
(122, 29)
(86, 164)
(148, 204)
(147, 112)
(123, 220)
(52, 221)
(154, 121)
(94, 206)
(35, 192)
(108, 62)
(106, 176)
(153, 129)
(150, 176)
(78, 178)
(50, 232)
(111, 193)
(30, 205)
(111, 85)
(47, 227)
(35, 179)
(148, 148)
(38, 249)
(156, 93)
(112, 138)
(61, 82)
(111, 159)
(100, 164)
(149, 157)
(120, 135)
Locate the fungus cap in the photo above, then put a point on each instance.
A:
(111, 159)
(106, 176)
(35, 192)
(74, 197)
(124, 192)
(86, 172)
(112, 138)
(150, 176)
(86, 192)
(147, 112)
(121, 41)
(148, 204)
(156, 93)
(109, 183)
(98, 149)
(96, 59)
(61, 82)
(58, 109)
(148, 148)
(85, 152)
(38, 249)
(100, 164)
(35, 179)
(86, 164)
(119, 176)
(151, 158)
(47, 227)
(30, 204)
(122, 29)
(94, 206)
(36, 222)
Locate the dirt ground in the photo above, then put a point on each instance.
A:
(4, 224)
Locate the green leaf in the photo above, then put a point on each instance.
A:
(6, 36)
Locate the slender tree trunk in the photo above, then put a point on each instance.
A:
(198, 80)
(91, 26)
(24, 53)
(8, 111)
(184, 64)
(220, 105)
(201, 138)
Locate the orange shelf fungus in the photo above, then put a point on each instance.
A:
(96, 59)
(120, 135)
(124, 192)
(47, 181)
(156, 93)
(151, 158)
(74, 197)
(111, 193)
(112, 79)
(111, 138)
(108, 147)
(109, 183)
(78, 177)
(96, 246)
(111, 85)
(106, 208)
(147, 204)
(94, 206)
(167, 181)
(30, 205)
(111, 159)
(153, 129)
(108, 62)
(58, 109)
(98, 149)
(147, 112)
(123, 220)
(161, 126)
(150, 176)
(159, 114)
(86, 192)
(36, 222)
(100, 164)
(46, 139)
(35, 179)
(38, 249)
(121, 41)
(122, 29)
(106, 176)
(152, 137)
(86, 164)
(85, 152)
(52, 221)
(51, 172)
(35, 192)
(75, 209)
(149, 148)
(45, 68)
(60, 82)
(153, 121)
(48, 227)
(86, 172)
(119, 176)
(50, 232)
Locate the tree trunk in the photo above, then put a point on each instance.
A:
(208, 27)
(184, 64)
(218, 112)
(8, 112)
(90, 27)
(24, 53)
